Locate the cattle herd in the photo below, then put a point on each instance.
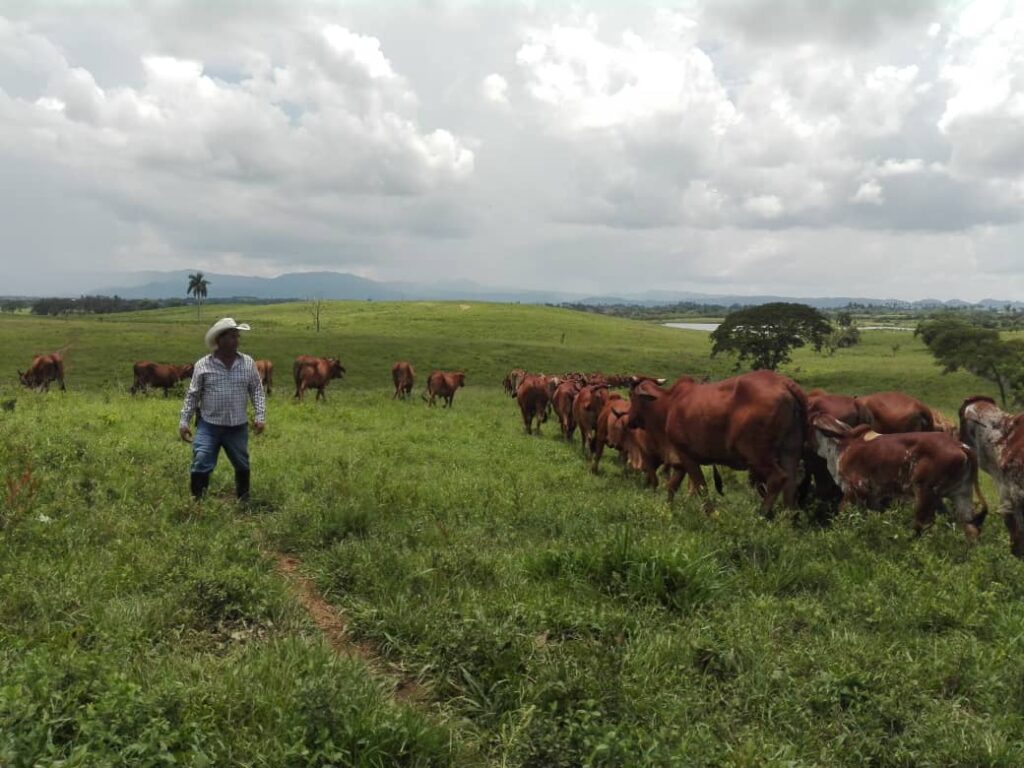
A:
(811, 448)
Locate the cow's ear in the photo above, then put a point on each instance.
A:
(829, 425)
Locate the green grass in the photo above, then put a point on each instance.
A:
(556, 617)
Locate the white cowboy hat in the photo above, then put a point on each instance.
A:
(224, 324)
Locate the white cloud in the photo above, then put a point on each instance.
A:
(495, 88)
(382, 139)
(869, 192)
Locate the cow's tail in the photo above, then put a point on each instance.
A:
(972, 462)
(800, 411)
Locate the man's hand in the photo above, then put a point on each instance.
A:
(186, 433)
(257, 427)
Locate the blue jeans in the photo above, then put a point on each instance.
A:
(207, 443)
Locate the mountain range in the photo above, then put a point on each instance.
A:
(342, 285)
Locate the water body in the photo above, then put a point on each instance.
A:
(709, 327)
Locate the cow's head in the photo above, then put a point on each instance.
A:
(24, 379)
(335, 370)
(642, 399)
(972, 410)
(187, 370)
(827, 436)
(459, 379)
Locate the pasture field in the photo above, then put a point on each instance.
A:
(550, 616)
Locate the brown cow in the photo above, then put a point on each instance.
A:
(316, 373)
(755, 421)
(444, 384)
(874, 470)
(403, 376)
(158, 375)
(585, 408)
(998, 439)
(561, 402)
(43, 370)
(532, 396)
(893, 412)
(611, 429)
(265, 368)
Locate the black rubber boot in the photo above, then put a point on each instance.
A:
(200, 481)
(242, 484)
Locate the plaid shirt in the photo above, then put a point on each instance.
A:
(222, 394)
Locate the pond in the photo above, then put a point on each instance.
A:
(709, 327)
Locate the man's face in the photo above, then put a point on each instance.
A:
(227, 342)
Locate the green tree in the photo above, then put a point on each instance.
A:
(765, 335)
(957, 344)
(197, 285)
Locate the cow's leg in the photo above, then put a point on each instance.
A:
(962, 504)
(774, 480)
(926, 505)
(687, 468)
(167, 391)
(791, 466)
(1010, 509)
(320, 395)
(595, 457)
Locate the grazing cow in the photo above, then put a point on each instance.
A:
(561, 402)
(998, 439)
(158, 375)
(403, 376)
(512, 381)
(875, 470)
(585, 408)
(315, 373)
(755, 422)
(844, 408)
(533, 400)
(265, 368)
(444, 384)
(893, 412)
(43, 370)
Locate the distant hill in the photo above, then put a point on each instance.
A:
(342, 285)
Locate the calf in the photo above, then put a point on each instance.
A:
(403, 376)
(158, 375)
(561, 402)
(585, 408)
(875, 470)
(315, 373)
(998, 439)
(444, 384)
(265, 368)
(43, 370)
(611, 429)
(532, 396)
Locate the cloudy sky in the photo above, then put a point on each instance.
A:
(799, 147)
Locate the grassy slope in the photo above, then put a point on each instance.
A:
(559, 618)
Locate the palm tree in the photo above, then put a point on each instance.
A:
(197, 285)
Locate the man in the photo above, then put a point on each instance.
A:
(222, 384)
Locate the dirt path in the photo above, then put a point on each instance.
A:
(334, 626)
